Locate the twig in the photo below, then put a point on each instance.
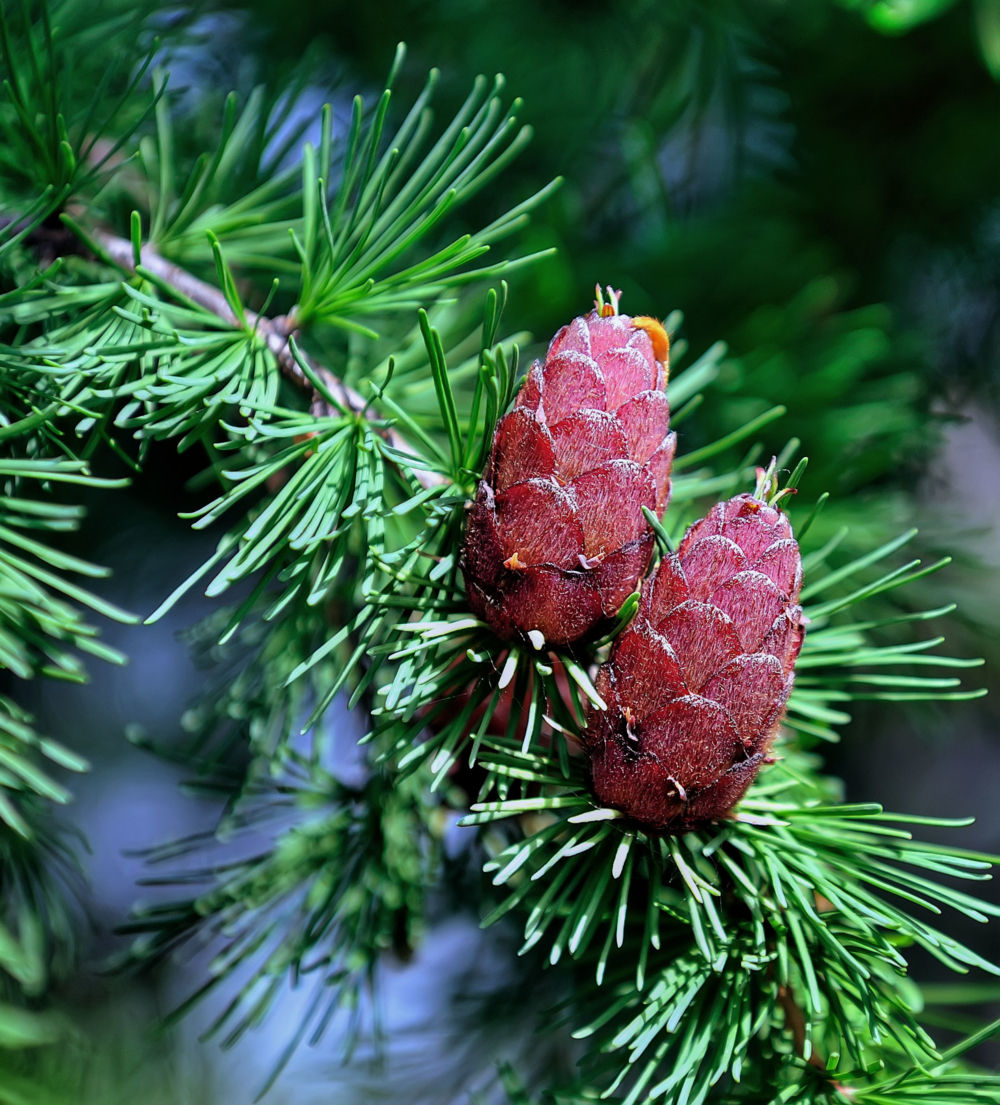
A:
(796, 1021)
(276, 332)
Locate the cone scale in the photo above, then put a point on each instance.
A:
(556, 538)
(697, 685)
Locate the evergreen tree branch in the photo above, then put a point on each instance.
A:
(276, 332)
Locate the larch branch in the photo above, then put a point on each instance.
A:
(276, 332)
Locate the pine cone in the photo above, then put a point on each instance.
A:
(697, 685)
(556, 537)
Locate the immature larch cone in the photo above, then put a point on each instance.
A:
(556, 537)
(697, 685)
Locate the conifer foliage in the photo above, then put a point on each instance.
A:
(482, 563)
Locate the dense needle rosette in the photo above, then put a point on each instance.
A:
(556, 537)
(697, 685)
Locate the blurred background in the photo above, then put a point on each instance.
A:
(817, 184)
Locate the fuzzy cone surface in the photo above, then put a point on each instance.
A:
(696, 686)
(556, 538)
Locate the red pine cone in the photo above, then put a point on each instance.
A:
(556, 538)
(697, 685)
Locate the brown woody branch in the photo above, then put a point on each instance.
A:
(276, 333)
(796, 1021)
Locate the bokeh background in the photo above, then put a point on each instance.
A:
(816, 184)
